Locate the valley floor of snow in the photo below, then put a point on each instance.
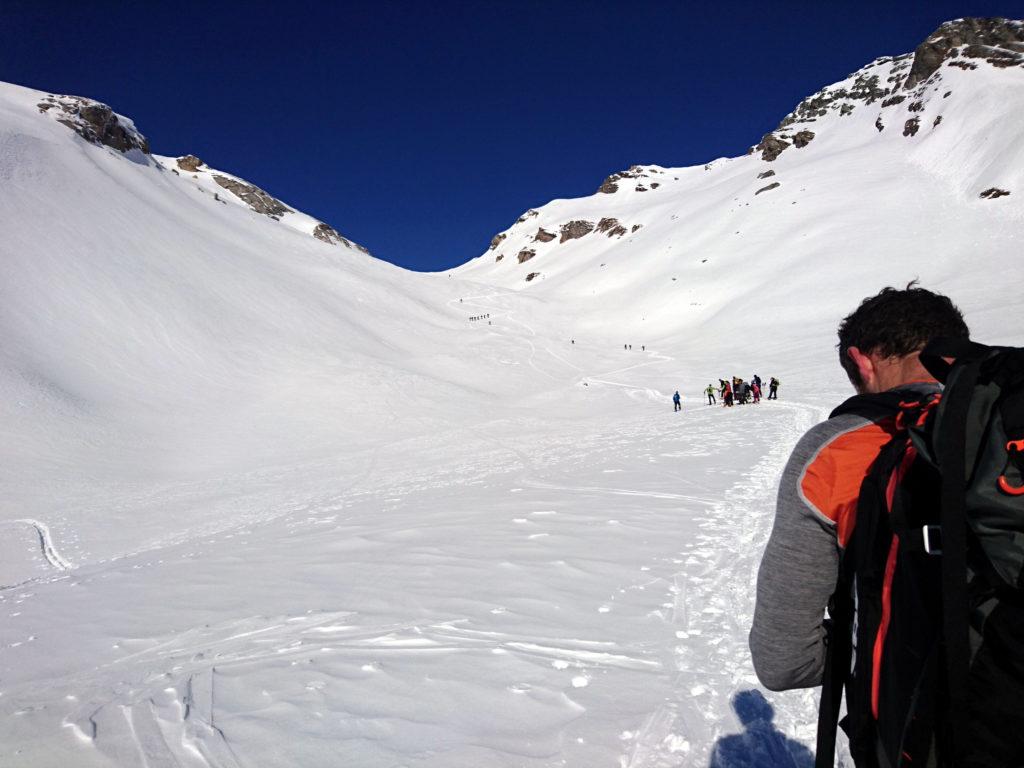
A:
(566, 583)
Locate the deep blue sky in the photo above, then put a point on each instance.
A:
(420, 129)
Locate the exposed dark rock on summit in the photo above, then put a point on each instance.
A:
(496, 241)
(544, 236)
(999, 41)
(95, 122)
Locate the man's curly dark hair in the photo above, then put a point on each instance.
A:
(896, 323)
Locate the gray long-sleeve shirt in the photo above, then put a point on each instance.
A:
(814, 516)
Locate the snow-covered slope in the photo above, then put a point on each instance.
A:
(266, 500)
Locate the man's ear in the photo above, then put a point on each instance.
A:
(865, 367)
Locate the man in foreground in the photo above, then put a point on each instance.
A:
(879, 346)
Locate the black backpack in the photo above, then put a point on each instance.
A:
(927, 620)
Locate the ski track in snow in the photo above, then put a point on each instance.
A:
(46, 547)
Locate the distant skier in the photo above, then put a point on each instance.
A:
(755, 390)
(710, 392)
(727, 396)
(773, 389)
(757, 380)
(643, 348)
(675, 399)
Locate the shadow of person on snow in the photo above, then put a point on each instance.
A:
(760, 745)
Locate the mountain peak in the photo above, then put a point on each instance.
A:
(998, 41)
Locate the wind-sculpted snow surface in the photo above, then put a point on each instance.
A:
(267, 501)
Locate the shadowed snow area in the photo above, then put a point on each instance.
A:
(269, 501)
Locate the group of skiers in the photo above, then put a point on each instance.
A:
(741, 392)
(735, 391)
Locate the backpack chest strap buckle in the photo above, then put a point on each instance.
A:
(932, 537)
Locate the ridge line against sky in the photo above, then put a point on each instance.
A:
(421, 132)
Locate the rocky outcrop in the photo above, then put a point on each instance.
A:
(254, 197)
(329, 234)
(575, 229)
(766, 174)
(526, 254)
(802, 139)
(611, 184)
(611, 227)
(911, 127)
(636, 227)
(496, 241)
(528, 215)
(95, 122)
(773, 185)
(993, 192)
(189, 163)
(531, 276)
(543, 236)
(770, 147)
(998, 41)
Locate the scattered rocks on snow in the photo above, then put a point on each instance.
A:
(879, 125)
(910, 127)
(189, 163)
(993, 192)
(936, 121)
(773, 185)
(575, 229)
(544, 236)
(500, 257)
(95, 122)
(496, 241)
(640, 188)
(636, 227)
(766, 174)
(526, 254)
(532, 275)
(528, 215)
(254, 197)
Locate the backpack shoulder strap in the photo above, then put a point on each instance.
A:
(873, 407)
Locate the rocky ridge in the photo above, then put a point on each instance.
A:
(98, 124)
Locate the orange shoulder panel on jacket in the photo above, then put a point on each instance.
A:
(831, 482)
